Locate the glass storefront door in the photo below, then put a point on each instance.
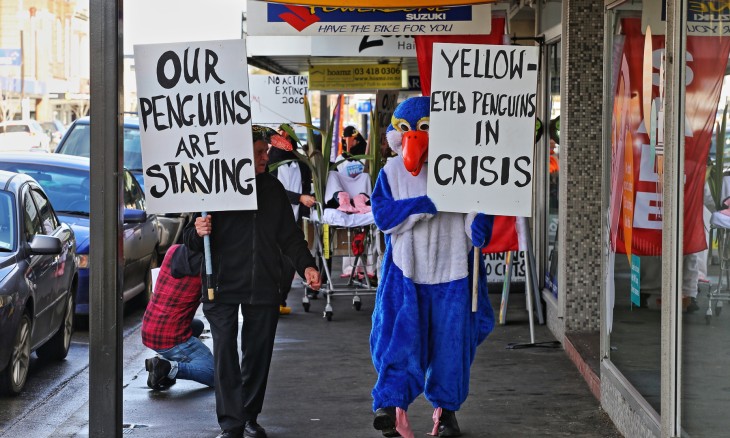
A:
(551, 135)
(634, 277)
(705, 348)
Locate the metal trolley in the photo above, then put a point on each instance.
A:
(358, 242)
(719, 294)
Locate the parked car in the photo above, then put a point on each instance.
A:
(66, 181)
(38, 280)
(55, 129)
(23, 136)
(77, 141)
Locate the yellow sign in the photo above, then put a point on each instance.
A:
(355, 77)
(386, 3)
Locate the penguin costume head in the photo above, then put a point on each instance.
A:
(408, 132)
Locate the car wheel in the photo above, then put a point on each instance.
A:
(12, 379)
(57, 347)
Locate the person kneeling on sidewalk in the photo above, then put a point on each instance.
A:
(168, 323)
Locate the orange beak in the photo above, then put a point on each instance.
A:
(415, 150)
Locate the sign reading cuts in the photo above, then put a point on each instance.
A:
(280, 19)
(482, 135)
(355, 77)
(195, 120)
(278, 98)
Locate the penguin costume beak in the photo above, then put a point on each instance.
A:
(415, 150)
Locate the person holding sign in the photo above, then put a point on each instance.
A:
(424, 333)
(246, 248)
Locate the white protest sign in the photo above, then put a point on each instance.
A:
(482, 133)
(385, 103)
(195, 126)
(495, 265)
(278, 98)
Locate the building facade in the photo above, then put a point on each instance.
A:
(44, 59)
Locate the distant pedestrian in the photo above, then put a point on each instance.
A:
(246, 248)
(169, 326)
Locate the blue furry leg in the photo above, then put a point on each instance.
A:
(424, 339)
(395, 340)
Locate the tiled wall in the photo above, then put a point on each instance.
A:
(580, 164)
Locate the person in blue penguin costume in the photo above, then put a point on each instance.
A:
(424, 335)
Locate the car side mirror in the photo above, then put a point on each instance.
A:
(134, 216)
(42, 244)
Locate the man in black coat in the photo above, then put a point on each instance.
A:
(246, 248)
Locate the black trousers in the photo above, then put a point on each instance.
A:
(240, 389)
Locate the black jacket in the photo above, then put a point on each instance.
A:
(247, 269)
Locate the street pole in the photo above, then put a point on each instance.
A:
(22, 72)
(105, 309)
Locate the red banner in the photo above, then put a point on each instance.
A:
(638, 227)
(424, 48)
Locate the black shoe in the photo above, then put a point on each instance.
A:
(448, 426)
(693, 306)
(158, 370)
(167, 382)
(253, 430)
(391, 433)
(231, 433)
(384, 420)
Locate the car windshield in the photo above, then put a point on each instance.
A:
(68, 189)
(78, 143)
(14, 128)
(7, 222)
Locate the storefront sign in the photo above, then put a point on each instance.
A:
(355, 77)
(282, 19)
(704, 17)
(11, 57)
(704, 77)
(386, 3)
(195, 120)
(482, 132)
(278, 98)
(366, 45)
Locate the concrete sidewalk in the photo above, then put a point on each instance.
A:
(321, 379)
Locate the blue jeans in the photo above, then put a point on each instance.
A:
(191, 360)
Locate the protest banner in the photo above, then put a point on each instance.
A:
(195, 126)
(482, 132)
(278, 98)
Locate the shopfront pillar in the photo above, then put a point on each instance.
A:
(579, 232)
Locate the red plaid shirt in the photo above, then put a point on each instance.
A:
(166, 322)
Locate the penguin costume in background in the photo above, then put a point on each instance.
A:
(424, 334)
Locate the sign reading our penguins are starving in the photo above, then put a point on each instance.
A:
(482, 133)
(195, 126)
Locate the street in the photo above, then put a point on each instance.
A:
(46, 379)
(319, 386)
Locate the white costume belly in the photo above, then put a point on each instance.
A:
(440, 244)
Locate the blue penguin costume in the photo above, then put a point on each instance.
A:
(424, 334)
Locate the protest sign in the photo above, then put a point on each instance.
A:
(278, 98)
(482, 132)
(385, 103)
(195, 126)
